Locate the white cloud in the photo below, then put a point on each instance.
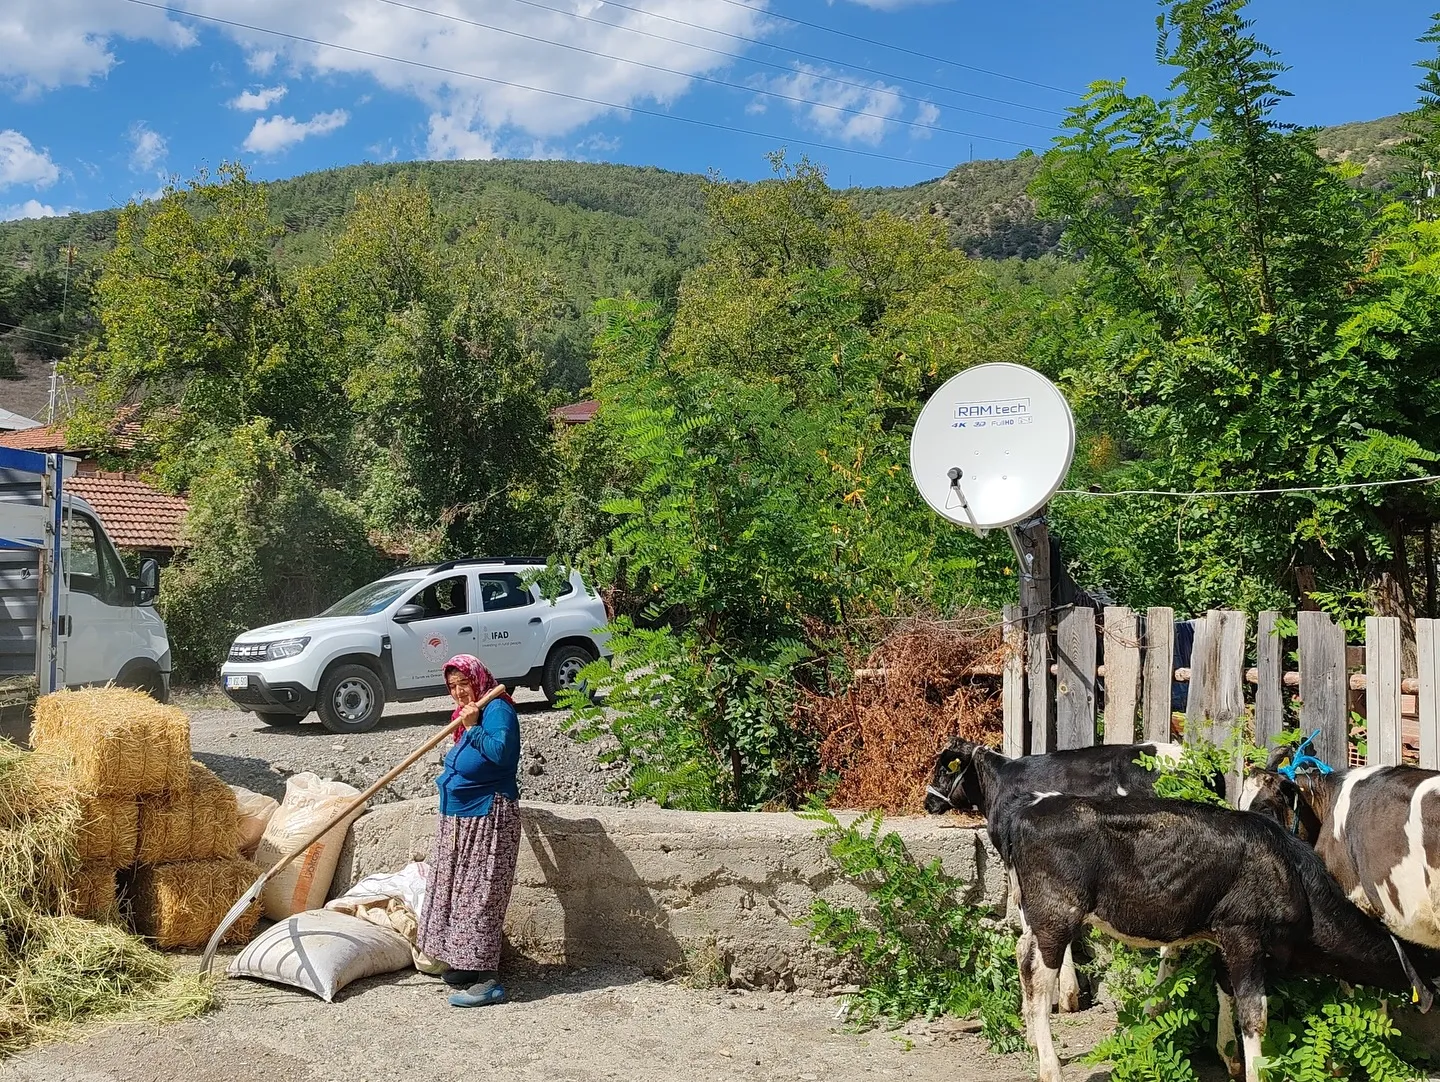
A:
(257, 101)
(863, 113)
(31, 208)
(51, 43)
(21, 163)
(452, 138)
(147, 148)
(260, 61)
(56, 42)
(272, 135)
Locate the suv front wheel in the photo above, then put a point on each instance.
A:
(351, 700)
(562, 667)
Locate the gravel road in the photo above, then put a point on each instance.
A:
(554, 766)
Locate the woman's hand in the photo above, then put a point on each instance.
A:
(469, 715)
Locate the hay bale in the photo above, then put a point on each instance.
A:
(199, 822)
(92, 893)
(121, 742)
(181, 904)
(109, 830)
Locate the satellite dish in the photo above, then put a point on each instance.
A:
(992, 446)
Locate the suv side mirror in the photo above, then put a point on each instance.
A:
(408, 614)
(147, 585)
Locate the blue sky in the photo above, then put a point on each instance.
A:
(102, 101)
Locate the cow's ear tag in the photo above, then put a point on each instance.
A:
(1414, 994)
(954, 766)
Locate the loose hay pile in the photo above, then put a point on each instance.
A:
(924, 684)
(55, 968)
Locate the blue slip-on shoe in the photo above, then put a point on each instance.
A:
(479, 995)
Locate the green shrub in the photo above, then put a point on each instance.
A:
(918, 949)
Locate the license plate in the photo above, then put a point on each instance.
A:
(237, 681)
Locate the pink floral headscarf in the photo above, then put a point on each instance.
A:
(474, 670)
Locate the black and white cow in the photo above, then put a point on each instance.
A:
(1156, 873)
(970, 775)
(1377, 828)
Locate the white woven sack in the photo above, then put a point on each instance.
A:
(322, 951)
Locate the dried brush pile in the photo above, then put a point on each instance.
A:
(927, 682)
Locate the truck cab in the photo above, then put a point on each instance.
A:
(70, 613)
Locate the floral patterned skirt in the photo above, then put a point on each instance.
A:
(472, 870)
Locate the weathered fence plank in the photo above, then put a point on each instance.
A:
(1159, 672)
(1382, 690)
(1427, 639)
(1270, 667)
(1323, 691)
(1122, 674)
(1013, 688)
(1217, 677)
(1204, 661)
(1075, 684)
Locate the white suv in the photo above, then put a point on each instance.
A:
(388, 640)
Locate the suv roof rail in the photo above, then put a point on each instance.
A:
(467, 561)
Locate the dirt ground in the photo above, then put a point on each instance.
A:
(560, 1026)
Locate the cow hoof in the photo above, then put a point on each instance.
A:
(1069, 1002)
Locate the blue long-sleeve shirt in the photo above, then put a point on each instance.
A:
(483, 763)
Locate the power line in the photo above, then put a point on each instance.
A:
(1428, 480)
(867, 87)
(540, 90)
(17, 329)
(897, 48)
(703, 78)
(782, 67)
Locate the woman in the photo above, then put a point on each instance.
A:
(472, 866)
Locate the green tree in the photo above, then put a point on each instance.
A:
(1227, 335)
(771, 515)
(446, 377)
(265, 541)
(201, 332)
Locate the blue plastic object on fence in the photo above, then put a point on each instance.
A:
(1302, 760)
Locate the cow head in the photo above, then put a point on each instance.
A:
(1270, 793)
(955, 782)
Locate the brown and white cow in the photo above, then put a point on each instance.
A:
(1377, 829)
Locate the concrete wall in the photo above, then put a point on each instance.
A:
(647, 887)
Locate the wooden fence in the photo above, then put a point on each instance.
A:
(1052, 698)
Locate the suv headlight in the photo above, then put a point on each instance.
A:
(284, 648)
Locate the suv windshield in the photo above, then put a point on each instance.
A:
(368, 600)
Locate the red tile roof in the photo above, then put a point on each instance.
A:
(577, 413)
(135, 515)
(51, 438)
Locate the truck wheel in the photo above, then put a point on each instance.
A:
(562, 667)
(146, 680)
(351, 699)
(279, 719)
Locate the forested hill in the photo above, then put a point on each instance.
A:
(603, 230)
(620, 225)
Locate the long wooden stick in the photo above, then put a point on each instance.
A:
(355, 805)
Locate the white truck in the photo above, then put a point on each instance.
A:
(70, 614)
(388, 640)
